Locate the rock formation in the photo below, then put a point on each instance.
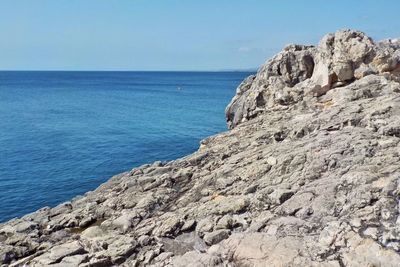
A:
(308, 175)
(299, 72)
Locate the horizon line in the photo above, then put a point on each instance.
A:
(69, 70)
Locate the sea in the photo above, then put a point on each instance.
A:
(64, 133)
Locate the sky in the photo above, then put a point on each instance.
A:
(175, 34)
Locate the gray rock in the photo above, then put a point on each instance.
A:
(127, 220)
(144, 240)
(205, 225)
(279, 196)
(308, 175)
(169, 226)
(188, 225)
(216, 236)
(93, 232)
(121, 246)
(25, 226)
(7, 254)
(337, 61)
(72, 261)
(57, 253)
(226, 222)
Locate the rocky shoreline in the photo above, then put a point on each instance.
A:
(308, 175)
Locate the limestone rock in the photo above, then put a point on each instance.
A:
(299, 71)
(308, 175)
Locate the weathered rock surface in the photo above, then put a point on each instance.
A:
(309, 175)
(299, 72)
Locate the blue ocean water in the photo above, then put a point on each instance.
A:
(64, 133)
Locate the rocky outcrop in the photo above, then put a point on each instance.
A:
(302, 71)
(309, 175)
(273, 83)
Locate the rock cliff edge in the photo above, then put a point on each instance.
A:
(308, 175)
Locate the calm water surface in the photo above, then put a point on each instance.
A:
(64, 133)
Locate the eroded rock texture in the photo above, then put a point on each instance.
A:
(308, 176)
(300, 72)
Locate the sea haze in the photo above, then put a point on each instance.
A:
(64, 133)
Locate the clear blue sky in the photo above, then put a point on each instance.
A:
(174, 34)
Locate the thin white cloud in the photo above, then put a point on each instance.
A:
(244, 49)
